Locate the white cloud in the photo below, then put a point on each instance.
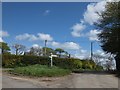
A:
(31, 37)
(66, 45)
(71, 45)
(90, 16)
(43, 36)
(92, 35)
(23, 36)
(76, 50)
(82, 54)
(36, 46)
(26, 36)
(55, 44)
(100, 52)
(77, 29)
(83, 51)
(3, 33)
(1, 40)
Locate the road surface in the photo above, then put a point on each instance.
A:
(81, 80)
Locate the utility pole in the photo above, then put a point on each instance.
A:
(45, 46)
(91, 50)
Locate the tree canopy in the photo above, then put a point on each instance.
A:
(4, 47)
(48, 51)
(59, 50)
(109, 37)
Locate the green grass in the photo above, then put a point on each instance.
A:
(40, 71)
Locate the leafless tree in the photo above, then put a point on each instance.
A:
(97, 59)
(35, 51)
(19, 49)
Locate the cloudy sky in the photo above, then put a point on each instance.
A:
(64, 25)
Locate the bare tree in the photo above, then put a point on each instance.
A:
(37, 51)
(19, 49)
(109, 63)
(105, 61)
(97, 59)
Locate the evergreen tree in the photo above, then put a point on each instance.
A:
(109, 23)
(4, 47)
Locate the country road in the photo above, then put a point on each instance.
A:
(81, 80)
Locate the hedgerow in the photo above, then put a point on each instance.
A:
(11, 61)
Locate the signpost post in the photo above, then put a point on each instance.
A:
(51, 58)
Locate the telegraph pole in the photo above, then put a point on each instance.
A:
(45, 46)
(91, 50)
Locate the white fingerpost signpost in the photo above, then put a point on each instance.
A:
(51, 58)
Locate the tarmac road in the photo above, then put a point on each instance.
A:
(82, 80)
(91, 81)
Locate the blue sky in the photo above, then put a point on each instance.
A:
(65, 25)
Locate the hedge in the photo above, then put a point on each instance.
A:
(23, 60)
(10, 61)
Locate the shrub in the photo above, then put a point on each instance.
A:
(11, 60)
(31, 60)
(63, 63)
(68, 63)
(23, 60)
(88, 64)
(41, 70)
(78, 64)
(98, 68)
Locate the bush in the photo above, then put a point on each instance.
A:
(31, 60)
(66, 63)
(88, 64)
(78, 64)
(98, 68)
(11, 60)
(41, 70)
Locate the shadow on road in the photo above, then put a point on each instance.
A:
(95, 72)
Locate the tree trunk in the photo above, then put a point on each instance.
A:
(16, 51)
(2, 51)
(117, 58)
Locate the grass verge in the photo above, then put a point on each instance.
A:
(40, 71)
